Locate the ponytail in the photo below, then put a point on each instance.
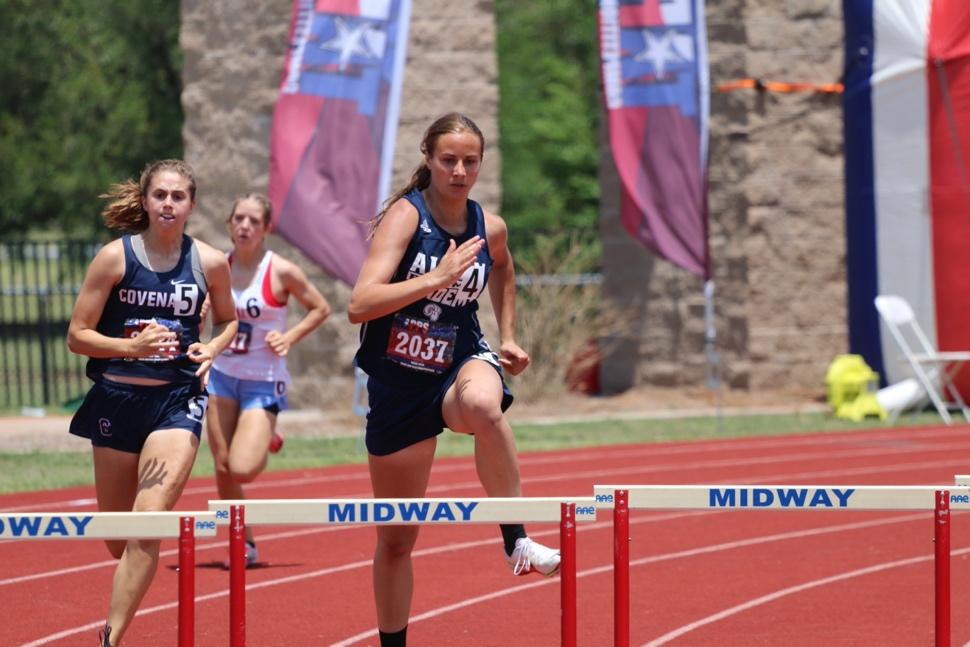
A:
(124, 211)
(420, 180)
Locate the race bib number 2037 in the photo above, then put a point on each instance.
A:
(421, 345)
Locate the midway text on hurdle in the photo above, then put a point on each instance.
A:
(454, 511)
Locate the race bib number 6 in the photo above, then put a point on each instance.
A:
(421, 345)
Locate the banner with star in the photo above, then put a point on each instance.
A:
(334, 126)
(655, 82)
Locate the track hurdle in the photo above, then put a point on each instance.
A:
(492, 510)
(623, 498)
(184, 526)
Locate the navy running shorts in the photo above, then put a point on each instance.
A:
(403, 415)
(121, 416)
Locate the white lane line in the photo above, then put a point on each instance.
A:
(437, 550)
(608, 568)
(587, 454)
(750, 604)
(453, 487)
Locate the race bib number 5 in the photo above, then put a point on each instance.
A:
(421, 345)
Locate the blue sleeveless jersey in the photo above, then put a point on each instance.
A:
(425, 339)
(173, 299)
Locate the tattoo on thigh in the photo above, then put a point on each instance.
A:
(152, 473)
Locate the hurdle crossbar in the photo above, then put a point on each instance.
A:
(939, 498)
(103, 525)
(184, 526)
(239, 513)
(261, 512)
(782, 497)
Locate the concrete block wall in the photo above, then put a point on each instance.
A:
(233, 57)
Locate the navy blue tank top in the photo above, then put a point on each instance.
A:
(423, 340)
(173, 299)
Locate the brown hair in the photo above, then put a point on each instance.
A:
(451, 123)
(264, 204)
(124, 210)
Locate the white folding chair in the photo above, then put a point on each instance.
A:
(930, 366)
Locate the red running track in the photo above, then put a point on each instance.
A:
(697, 577)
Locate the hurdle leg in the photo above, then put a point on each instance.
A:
(621, 569)
(186, 599)
(567, 572)
(942, 565)
(237, 576)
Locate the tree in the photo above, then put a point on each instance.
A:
(548, 119)
(91, 93)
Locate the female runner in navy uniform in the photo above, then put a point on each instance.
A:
(428, 364)
(137, 319)
(248, 381)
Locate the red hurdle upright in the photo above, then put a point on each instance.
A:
(696, 497)
(187, 582)
(157, 525)
(237, 576)
(941, 536)
(621, 569)
(310, 512)
(567, 574)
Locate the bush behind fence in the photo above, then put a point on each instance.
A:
(39, 282)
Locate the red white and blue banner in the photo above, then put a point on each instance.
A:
(907, 142)
(334, 126)
(655, 82)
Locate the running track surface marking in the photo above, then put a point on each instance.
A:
(698, 577)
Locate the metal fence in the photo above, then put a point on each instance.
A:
(39, 282)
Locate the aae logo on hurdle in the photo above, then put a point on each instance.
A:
(400, 511)
(784, 497)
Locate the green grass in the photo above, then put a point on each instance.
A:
(48, 470)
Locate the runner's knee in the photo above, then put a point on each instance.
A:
(396, 545)
(245, 471)
(116, 547)
(480, 409)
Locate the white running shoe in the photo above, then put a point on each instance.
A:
(530, 556)
(252, 555)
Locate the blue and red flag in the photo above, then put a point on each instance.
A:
(907, 183)
(655, 81)
(334, 126)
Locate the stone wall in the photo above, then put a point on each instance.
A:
(776, 218)
(776, 193)
(233, 57)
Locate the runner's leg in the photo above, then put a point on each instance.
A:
(401, 474)
(163, 468)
